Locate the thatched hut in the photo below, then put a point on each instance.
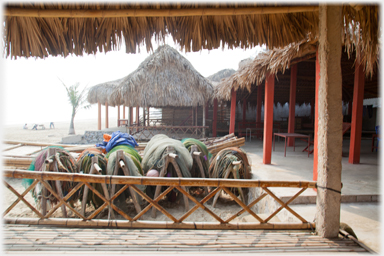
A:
(165, 80)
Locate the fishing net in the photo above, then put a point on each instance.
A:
(64, 162)
(155, 153)
(204, 157)
(36, 165)
(133, 171)
(136, 158)
(154, 158)
(222, 163)
(84, 165)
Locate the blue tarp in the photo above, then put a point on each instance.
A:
(118, 138)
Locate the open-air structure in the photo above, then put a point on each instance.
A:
(165, 80)
(295, 70)
(61, 29)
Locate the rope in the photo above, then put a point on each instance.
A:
(334, 190)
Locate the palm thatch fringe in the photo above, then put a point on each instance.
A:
(218, 76)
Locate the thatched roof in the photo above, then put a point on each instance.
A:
(277, 61)
(63, 28)
(218, 76)
(100, 92)
(163, 79)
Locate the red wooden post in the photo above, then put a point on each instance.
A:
(130, 116)
(357, 114)
(268, 118)
(106, 115)
(214, 121)
(137, 115)
(118, 115)
(233, 112)
(292, 104)
(98, 116)
(317, 82)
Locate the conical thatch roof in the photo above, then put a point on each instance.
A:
(165, 78)
(218, 76)
(41, 29)
(101, 92)
(275, 61)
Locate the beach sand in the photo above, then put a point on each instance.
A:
(17, 133)
(225, 207)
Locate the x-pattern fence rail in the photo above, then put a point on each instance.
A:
(171, 183)
(178, 132)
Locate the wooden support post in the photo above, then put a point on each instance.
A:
(106, 115)
(137, 116)
(357, 114)
(292, 103)
(204, 116)
(196, 110)
(124, 107)
(214, 121)
(148, 115)
(98, 116)
(330, 123)
(144, 116)
(268, 118)
(130, 116)
(118, 115)
(316, 124)
(233, 112)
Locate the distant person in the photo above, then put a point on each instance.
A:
(25, 126)
(34, 127)
(51, 125)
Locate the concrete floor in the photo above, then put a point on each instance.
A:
(361, 190)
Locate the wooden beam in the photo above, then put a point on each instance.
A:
(74, 13)
(214, 122)
(98, 116)
(316, 107)
(268, 118)
(233, 112)
(106, 115)
(292, 103)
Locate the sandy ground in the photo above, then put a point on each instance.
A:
(16, 132)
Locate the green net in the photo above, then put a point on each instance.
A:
(204, 157)
(134, 171)
(155, 152)
(136, 158)
(84, 165)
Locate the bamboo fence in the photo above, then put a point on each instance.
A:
(171, 183)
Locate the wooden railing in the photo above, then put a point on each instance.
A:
(177, 132)
(89, 219)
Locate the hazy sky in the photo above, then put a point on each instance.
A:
(33, 93)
